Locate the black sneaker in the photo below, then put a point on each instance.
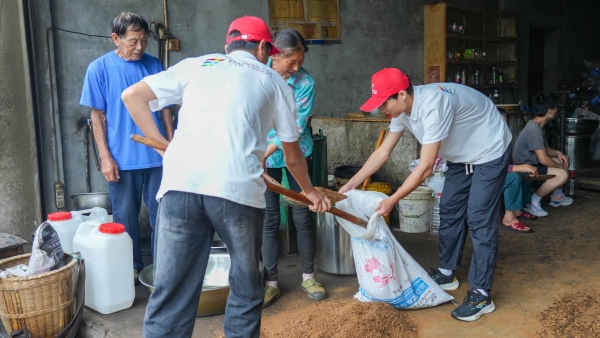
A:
(474, 306)
(443, 281)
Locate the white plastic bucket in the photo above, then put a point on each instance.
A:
(108, 253)
(66, 223)
(415, 210)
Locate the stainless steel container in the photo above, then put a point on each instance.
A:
(334, 246)
(577, 147)
(575, 126)
(93, 199)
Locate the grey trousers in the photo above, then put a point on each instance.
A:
(304, 225)
(471, 202)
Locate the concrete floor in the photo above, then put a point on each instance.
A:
(561, 256)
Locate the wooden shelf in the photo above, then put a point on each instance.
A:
(480, 62)
(494, 86)
(493, 32)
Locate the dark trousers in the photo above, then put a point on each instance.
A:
(304, 225)
(126, 199)
(187, 223)
(471, 202)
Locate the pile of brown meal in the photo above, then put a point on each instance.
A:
(574, 315)
(345, 319)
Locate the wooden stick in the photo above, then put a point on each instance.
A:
(274, 186)
(379, 141)
(149, 142)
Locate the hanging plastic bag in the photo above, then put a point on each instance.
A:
(46, 251)
(385, 271)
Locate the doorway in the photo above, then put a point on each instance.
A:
(543, 60)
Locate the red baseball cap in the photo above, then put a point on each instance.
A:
(385, 83)
(252, 28)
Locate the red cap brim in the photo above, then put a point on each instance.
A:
(274, 49)
(373, 103)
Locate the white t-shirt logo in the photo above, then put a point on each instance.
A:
(373, 89)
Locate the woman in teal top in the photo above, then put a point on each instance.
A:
(289, 65)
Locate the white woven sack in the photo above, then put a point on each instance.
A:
(386, 272)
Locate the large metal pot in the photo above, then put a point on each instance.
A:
(334, 246)
(575, 126)
(215, 287)
(577, 148)
(92, 199)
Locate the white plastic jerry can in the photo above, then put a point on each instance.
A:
(93, 214)
(67, 223)
(108, 254)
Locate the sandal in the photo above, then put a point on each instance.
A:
(526, 215)
(517, 227)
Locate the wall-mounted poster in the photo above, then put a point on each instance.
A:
(317, 20)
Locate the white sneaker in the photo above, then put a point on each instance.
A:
(560, 202)
(535, 209)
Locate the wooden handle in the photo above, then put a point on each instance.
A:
(274, 186)
(539, 178)
(379, 142)
(149, 142)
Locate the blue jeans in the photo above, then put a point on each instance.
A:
(126, 199)
(304, 225)
(187, 223)
(517, 193)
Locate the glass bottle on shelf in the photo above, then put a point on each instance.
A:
(463, 78)
(493, 80)
(457, 76)
(500, 77)
(477, 79)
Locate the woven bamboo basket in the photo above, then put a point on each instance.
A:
(42, 304)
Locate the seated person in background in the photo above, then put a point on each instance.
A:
(532, 148)
(517, 193)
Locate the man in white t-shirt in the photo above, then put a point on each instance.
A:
(212, 175)
(462, 126)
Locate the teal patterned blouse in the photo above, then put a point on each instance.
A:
(304, 94)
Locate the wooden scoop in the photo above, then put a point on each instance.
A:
(149, 142)
(272, 185)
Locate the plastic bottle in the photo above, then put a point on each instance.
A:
(571, 185)
(435, 214)
(436, 182)
(108, 253)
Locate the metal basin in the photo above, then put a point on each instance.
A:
(575, 126)
(215, 288)
(92, 199)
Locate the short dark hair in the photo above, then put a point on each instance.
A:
(289, 40)
(128, 21)
(241, 44)
(409, 90)
(542, 102)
